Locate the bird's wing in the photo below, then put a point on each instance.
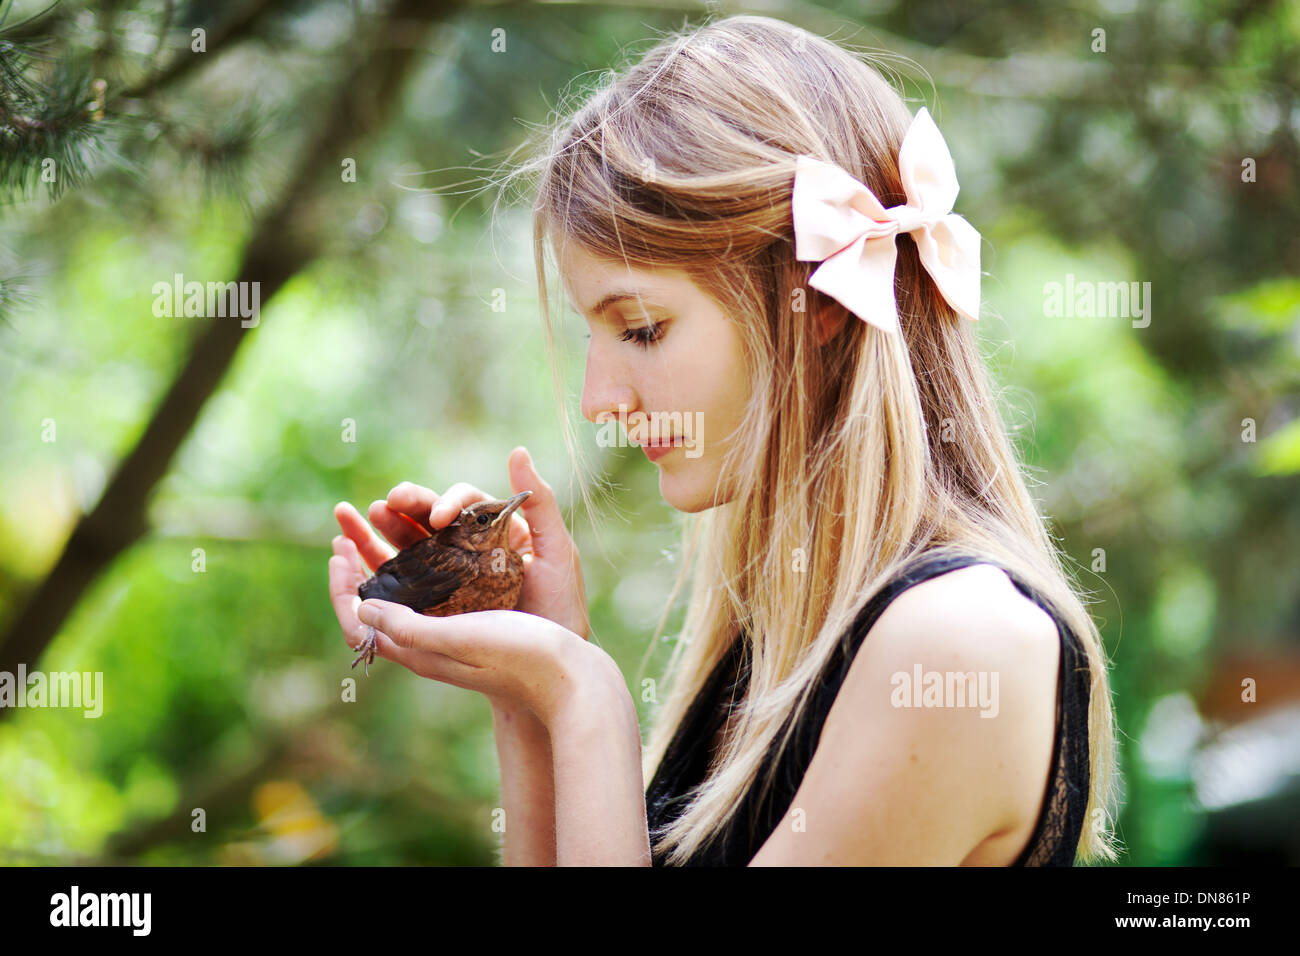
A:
(418, 585)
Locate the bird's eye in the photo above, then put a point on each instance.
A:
(482, 519)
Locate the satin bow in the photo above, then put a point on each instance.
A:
(840, 222)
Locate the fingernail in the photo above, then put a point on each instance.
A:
(368, 613)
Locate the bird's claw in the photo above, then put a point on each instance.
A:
(367, 649)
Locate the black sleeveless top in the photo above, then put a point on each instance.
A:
(1060, 823)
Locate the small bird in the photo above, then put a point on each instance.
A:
(466, 566)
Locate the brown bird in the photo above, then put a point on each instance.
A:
(466, 566)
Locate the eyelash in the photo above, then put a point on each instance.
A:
(644, 336)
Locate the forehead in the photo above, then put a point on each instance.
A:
(591, 281)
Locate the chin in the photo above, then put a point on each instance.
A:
(690, 497)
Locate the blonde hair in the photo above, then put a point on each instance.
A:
(685, 160)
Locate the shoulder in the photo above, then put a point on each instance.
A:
(968, 633)
(941, 735)
(975, 612)
(971, 665)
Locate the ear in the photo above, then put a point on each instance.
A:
(829, 317)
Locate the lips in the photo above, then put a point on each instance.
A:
(656, 450)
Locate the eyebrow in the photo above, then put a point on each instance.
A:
(621, 296)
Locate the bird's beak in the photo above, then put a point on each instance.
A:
(511, 505)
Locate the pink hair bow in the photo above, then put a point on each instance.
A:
(840, 222)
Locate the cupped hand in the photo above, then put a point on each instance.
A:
(517, 660)
(512, 657)
(553, 586)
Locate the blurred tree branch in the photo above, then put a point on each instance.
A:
(281, 246)
(240, 26)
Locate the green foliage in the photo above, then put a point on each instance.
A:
(49, 128)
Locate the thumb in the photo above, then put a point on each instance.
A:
(397, 622)
(540, 508)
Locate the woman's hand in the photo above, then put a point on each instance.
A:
(517, 660)
(553, 586)
(512, 657)
(523, 739)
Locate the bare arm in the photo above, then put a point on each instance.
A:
(527, 786)
(553, 589)
(600, 814)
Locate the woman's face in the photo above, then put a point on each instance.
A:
(663, 363)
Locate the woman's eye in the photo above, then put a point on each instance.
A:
(643, 336)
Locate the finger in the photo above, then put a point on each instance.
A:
(455, 498)
(434, 511)
(344, 598)
(456, 636)
(400, 530)
(437, 511)
(373, 550)
(541, 510)
(414, 501)
(346, 548)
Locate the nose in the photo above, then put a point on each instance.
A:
(605, 387)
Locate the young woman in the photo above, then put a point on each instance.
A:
(883, 661)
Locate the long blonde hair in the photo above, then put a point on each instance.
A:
(862, 453)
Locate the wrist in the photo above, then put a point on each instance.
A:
(514, 715)
(588, 680)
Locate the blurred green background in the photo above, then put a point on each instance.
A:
(138, 449)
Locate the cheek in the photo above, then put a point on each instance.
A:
(731, 378)
(715, 388)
